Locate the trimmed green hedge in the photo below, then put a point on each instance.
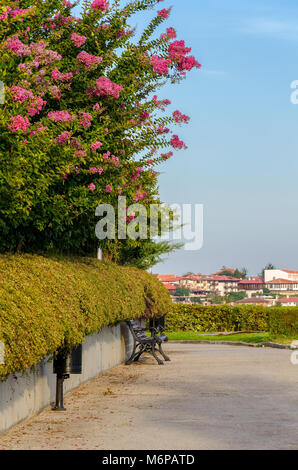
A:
(283, 321)
(279, 321)
(46, 303)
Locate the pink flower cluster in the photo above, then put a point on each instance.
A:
(13, 13)
(95, 170)
(78, 40)
(92, 187)
(89, 60)
(100, 5)
(179, 117)
(55, 92)
(170, 34)
(60, 116)
(115, 160)
(20, 94)
(63, 138)
(178, 49)
(108, 188)
(160, 65)
(163, 130)
(160, 104)
(144, 116)
(177, 143)
(130, 217)
(18, 47)
(19, 123)
(178, 52)
(105, 87)
(35, 106)
(85, 119)
(43, 56)
(139, 196)
(163, 13)
(59, 76)
(137, 175)
(95, 146)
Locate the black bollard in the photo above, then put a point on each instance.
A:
(64, 365)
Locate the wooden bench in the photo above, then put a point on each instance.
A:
(146, 344)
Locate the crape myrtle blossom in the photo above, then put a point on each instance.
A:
(55, 92)
(104, 87)
(58, 76)
(101, 5)
(163, 130)
(20, 94)
(63, 138)
(19, 123)
(92, 186)
(89, 60)
(9, 12)
(95, 170)
(35, 106)
(78, 40)
(163, 13)
(179, 117)
(178, 52)
(108, 188)
(160, 104)
(139, 196)
(42, 57)
(95, 146)
(137, 175)
(61, 116)
(177, 143)
(85, 119)
(160, 65)
(169, 34)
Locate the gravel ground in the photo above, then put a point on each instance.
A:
(207, 397)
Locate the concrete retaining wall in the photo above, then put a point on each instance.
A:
(23, 395)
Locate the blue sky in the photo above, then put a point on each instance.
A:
(242, 139)
(242, 158)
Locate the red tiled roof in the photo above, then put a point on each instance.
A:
(289, 271)
(251, 281)
(215, 277)
(167, 277)
(170, 286)
(288, 300)
(281, 281)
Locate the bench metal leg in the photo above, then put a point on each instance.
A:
(166, 358)
(138, 355)
(160, 362)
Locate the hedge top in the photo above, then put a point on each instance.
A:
(46, 303)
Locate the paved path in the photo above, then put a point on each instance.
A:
(208, 397)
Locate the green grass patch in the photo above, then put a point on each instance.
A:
(243, 337)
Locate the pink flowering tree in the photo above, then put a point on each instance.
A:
(82, 123)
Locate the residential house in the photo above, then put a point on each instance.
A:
(282, 285)
(288, 302)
